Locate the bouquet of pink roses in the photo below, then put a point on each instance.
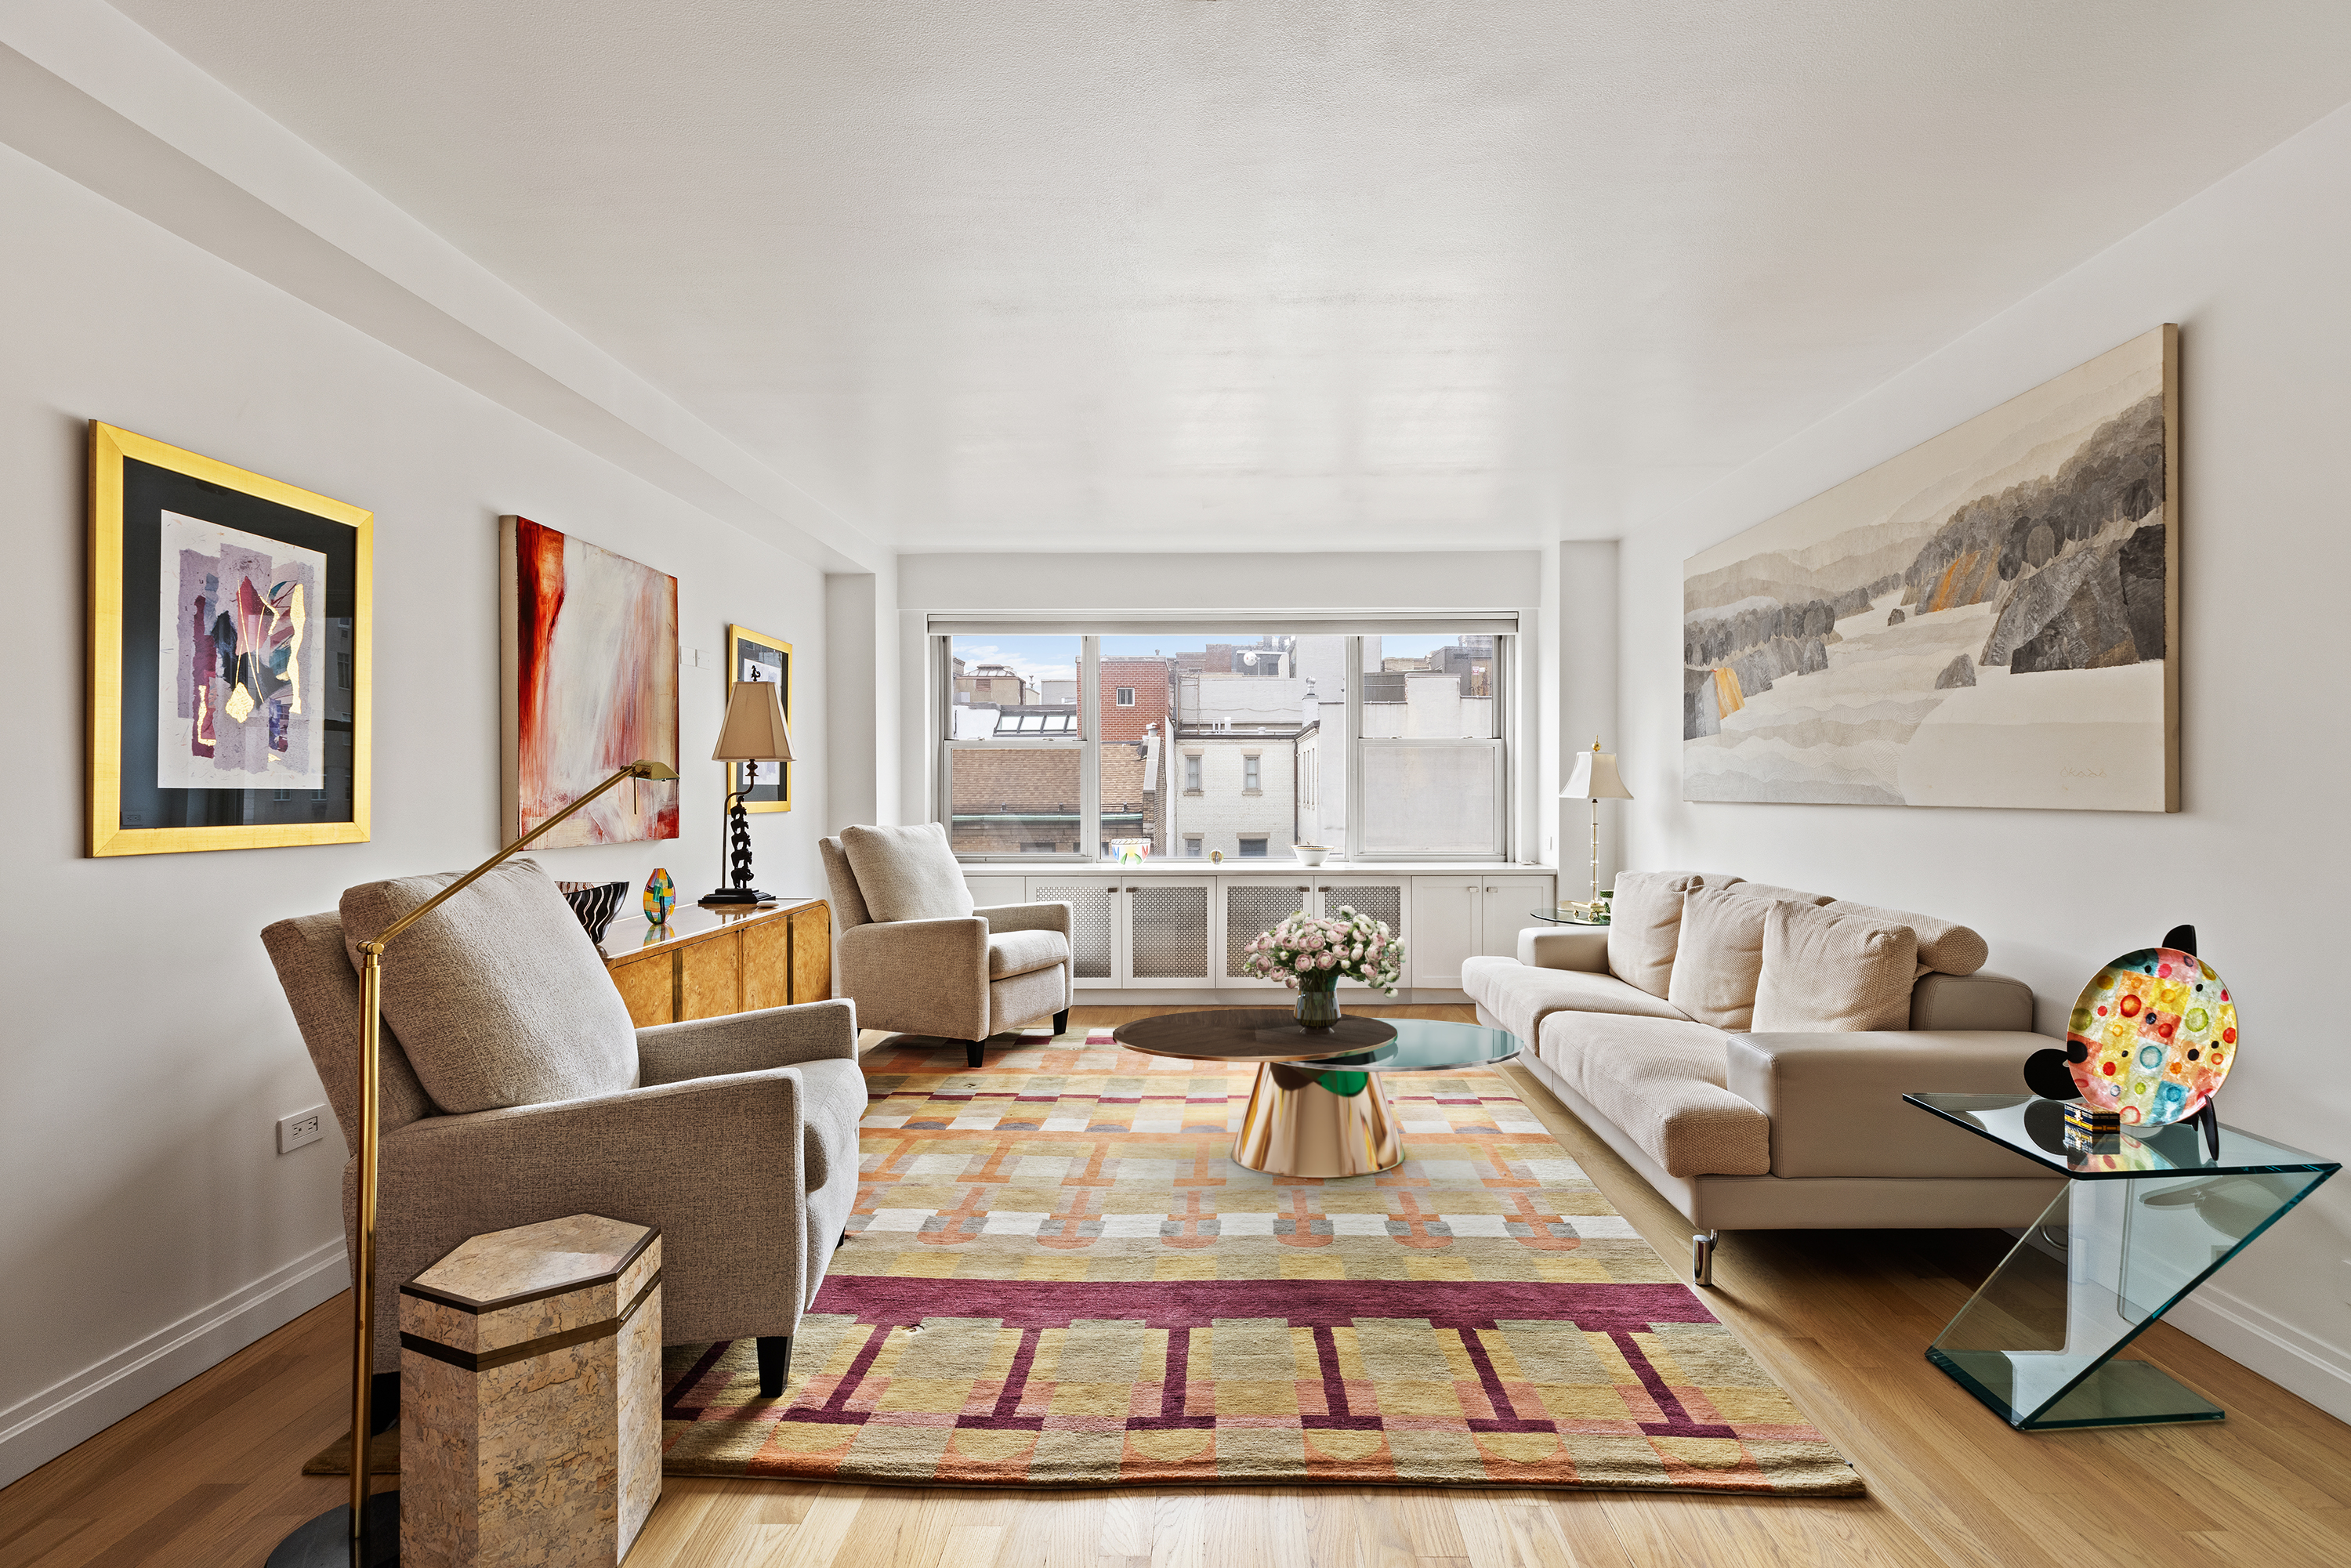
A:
(1314, 952)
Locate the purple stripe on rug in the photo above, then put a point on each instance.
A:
(888, 1301)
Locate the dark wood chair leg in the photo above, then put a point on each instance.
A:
(775, 1364)
(971, 1052)
(1061, 1021)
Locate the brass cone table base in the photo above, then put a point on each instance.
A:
(1301, 1123)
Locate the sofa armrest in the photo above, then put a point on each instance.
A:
(1835, 1101)
(1584, 950)
(1028, 917)
(719, 1164)
(747, 1042)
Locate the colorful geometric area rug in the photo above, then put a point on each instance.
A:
(1056, 1277)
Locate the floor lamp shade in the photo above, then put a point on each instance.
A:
(754, 731)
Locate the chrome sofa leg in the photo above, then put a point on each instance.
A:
(1702, 1257)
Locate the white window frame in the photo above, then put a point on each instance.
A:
(1125, 696)
(1087, 744)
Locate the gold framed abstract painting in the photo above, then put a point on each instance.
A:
(1990, 619)
(751, 656)
(588, 656)
(229, 643)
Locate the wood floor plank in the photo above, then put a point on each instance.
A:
(209, 1473)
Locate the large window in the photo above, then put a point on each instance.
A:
(1089, 747)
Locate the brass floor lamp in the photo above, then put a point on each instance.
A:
(365, 1533)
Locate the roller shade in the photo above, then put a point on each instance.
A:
(1358, 624)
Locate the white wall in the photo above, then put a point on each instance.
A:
(148, 1226)
(2251, 268)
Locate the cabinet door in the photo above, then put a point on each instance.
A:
(1254, 906)
(1093, 925)
(1445, 919)
(1169, 930)
(811, 953)
(1509, 903)
(1382, 898)
(710, 976)
(647, 984)
(767, 962)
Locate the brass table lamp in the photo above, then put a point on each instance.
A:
(753, 732)
(1595, 780)
(363, 1534)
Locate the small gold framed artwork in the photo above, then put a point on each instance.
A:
(229, 628)
(753, 657)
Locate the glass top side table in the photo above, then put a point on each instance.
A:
(1560, 917)
(2145, 1219)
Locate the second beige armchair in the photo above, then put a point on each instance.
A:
(918, 957)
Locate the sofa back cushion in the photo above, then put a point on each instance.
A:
(1944, 945)
(1645, 920)
(1720, 956)
(907, 874)
(499, 997)
(1765, 891)
(1831, 973)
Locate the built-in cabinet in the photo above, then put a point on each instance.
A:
(1458, 917)
(1157, 931)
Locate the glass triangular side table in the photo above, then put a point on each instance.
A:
(2143, 1219)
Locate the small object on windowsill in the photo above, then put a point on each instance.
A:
(1216, 857)
(1311, 855)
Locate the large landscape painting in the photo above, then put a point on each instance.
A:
(1990, 619)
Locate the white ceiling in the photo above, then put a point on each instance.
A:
(1288, 274)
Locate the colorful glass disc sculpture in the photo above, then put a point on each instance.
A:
(2160, 1033)
(660, 896)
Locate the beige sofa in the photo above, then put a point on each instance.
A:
(1745, 1048)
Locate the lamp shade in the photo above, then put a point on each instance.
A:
(1594, 779)
(753, 730)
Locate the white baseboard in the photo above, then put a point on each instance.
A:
(35, 1430)
(2302, 1364)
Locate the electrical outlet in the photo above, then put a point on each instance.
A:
(302, 1127)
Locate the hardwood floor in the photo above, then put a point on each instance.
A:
(210, 1473)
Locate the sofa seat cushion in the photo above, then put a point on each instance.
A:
(1520, 997)
(1019, 1000)
(1662, 1082)
(1018, 952)
(907, 874)
(497, 996)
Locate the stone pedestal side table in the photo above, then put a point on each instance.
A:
(530, 1396)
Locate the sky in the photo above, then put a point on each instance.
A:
(1056, 658)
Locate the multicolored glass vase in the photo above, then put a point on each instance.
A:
(660, 896)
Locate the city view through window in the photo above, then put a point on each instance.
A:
(1207, 746)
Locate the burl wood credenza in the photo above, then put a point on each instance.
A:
(703, 963)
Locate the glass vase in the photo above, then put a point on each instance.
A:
(1317, 1004)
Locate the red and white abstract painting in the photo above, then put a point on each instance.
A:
(588, 645)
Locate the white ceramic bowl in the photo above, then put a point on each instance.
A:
(1310, 854)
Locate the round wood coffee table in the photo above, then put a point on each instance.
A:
(1317, 1108)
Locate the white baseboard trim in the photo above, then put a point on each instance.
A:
(74, 1409)
(2300, 1364)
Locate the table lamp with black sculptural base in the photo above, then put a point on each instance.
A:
(364, 1532)
(755, 731)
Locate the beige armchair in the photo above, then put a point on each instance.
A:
(736, 1135)
(918, 957)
